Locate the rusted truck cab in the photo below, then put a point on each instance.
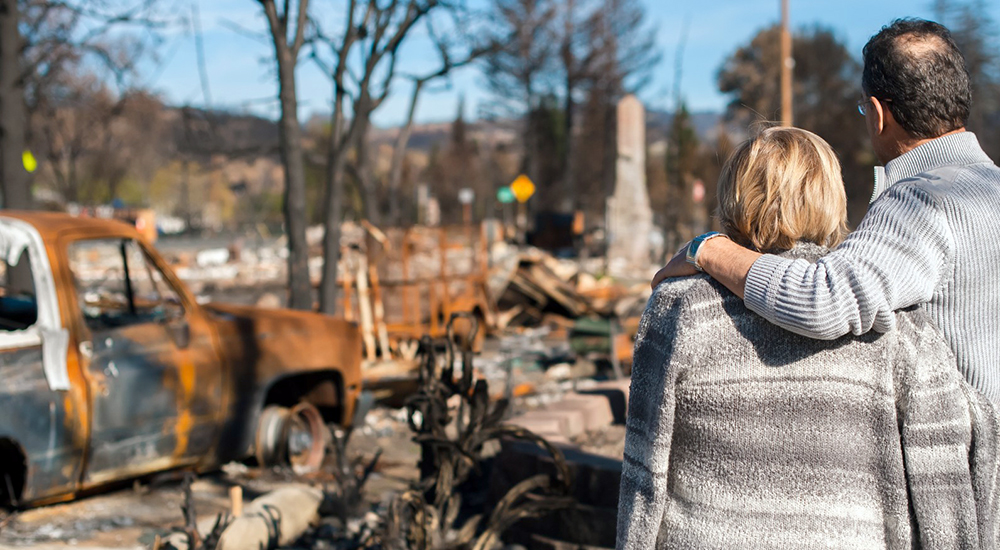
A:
(110, 369)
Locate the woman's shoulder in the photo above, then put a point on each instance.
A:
(687, 295)
(700, 287)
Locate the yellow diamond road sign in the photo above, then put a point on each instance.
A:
(523, 188)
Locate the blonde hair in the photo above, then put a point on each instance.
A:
(781, 187)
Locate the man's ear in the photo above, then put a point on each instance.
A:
(879, 119)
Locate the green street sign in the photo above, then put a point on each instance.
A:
(505, 195)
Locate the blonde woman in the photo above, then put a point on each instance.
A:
(743, 435)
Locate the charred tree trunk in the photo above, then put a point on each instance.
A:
(399, 156)
(369, 184)
(290, 135)
(333, 210)
(13, 177)
(300, 290)
(570, 82)
(570, 190)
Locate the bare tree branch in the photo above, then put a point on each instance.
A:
(243, 31)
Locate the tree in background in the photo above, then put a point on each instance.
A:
(93, 140)
(686, 216)
(826, 87)
(581, 56)
(457, 165)
(976, 35)
(40, 40)
(371, 38)
(13, 122)
(519, 73)
(547, 126)
(455, 50)
(595, 152)
(612, 53)
(287, 27)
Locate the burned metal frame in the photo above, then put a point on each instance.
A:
(452, 448)
(419, 316)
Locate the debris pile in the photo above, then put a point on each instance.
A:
(532, 288)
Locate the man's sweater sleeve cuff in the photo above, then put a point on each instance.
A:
(763, 281)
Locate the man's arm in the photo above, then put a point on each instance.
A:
(726, 261)
(895, 259)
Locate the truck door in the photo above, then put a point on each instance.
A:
(155, 382)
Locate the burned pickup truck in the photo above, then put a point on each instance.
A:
(110, 369)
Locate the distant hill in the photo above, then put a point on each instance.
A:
(425, 137)
(706, 126)
(204, 132)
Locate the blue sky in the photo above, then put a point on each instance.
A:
(241, 77)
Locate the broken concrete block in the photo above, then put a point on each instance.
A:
(542, 426)
(595, 482)
(616, 392)
(571, 421)
(596, 409)
(595, 478)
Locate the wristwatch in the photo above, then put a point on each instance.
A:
(695, 247)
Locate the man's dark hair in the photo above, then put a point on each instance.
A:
(916, 68)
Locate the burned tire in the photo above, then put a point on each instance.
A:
(270, 436)
(306, 438)
(295, 437)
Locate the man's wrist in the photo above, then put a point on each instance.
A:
(696, 247)
(728, 263)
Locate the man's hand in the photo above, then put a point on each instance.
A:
(723, 259)
(678, 266)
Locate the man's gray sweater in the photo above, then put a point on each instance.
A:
(743, 435)
(932, 239)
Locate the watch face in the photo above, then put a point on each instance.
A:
(692, 251)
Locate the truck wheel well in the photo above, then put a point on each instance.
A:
(13, 470)
(324, 389)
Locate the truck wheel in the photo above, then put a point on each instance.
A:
(307, 437)
(293, 437)
(270, 436)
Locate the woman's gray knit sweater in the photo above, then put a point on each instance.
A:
(743, 435)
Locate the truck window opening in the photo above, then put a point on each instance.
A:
(118, 285)
(18, 306)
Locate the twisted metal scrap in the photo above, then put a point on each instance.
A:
(190, 528)
(425, 516)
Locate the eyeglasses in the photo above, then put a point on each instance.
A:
(864, 103)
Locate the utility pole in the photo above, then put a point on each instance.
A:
(786, 67)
